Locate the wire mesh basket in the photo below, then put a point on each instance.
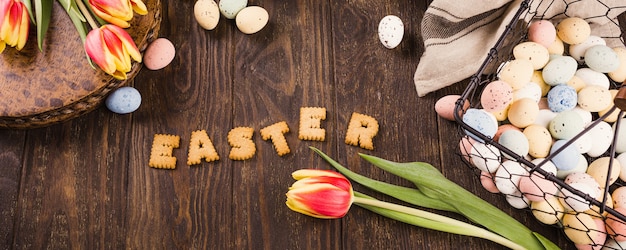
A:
(581, 195)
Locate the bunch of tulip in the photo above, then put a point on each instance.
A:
(329, 194)
(100, 23)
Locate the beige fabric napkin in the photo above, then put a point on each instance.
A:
(459, 34)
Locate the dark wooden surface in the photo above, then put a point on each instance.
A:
(86, 183)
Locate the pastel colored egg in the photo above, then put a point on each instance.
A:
(619, 197)
(523, 112)
(515, 141)
(583, 177)
(536, 53)
(619, 74)
(252, 19)
(592, 77)
(482, 121)
(614, 114)
(598, 237)
(594, 98)
(542, 32)
(501, 115)
(123, 100)
(517, 73)
(620, 146)
(621, 158)
(390, 31)
(557, 47)
(230, 8)
(599, 169)
(566, 125)
(602, 58)
(486, 180)
(613, 244)
(562, 98)
(465, 147)
(583, 143)
(537, 78)
(580, 228)
(586, 115)
(496, 96)
(574, 202)
(503, 128)
(568, 156)
(602, 135)
(539, 140)
(573, 30)
(545, 165)
(536, 187)
(559, 70)
(616, 227)
(207, 14)
(159, 54)
(517, 200)
(581, 166)
(595, 210)
(508, 176)
(446, 105)
(577, 51)
(485, 157)
(548, 211)
(544, 117)
(530, 90)
(576, 82)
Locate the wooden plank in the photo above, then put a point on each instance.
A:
(72, 183)
(12, 144)
(277, 71)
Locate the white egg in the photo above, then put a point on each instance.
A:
(508, 176)
(390, 31)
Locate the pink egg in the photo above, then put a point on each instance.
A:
(486, 179)
(615, 227)
(542, 32)
(444, 107)
(599, 237)
(496, 96)
(536, 188)
(465, 147)
(159, 54)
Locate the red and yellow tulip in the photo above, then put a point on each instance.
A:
(14, 24)
(320, 193)
(118, 12)
(112, 48)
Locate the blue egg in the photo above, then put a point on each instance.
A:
(482, 121)
(123, 100)
(568, 158)
(562, 97)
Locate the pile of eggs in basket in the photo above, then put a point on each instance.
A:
(556, 83)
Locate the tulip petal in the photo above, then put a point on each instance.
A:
(2, 46)
(139, 7)
(303, 173)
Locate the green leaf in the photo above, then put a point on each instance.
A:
(409, 195)
(43, 11)
(468, 204)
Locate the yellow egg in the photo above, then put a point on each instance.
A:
(517, 73)
(537, 78)
(619, 75)
(523, 112)
(573, 30)
(539, 140)
(557, 47)
(537, 54)
(207, 14)
(252, 19)
(599, 168)
(580, 228)
(615, 114)
(576, 82)
(548, 211)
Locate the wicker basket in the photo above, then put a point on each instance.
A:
(40, 88)
(515, 33)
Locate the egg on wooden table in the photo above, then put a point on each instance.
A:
(252, 19)
(390, 31)
(207, 14)
(230, 8)
(159, 54)
(123, 100)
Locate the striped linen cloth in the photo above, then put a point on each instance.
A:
(458, 35)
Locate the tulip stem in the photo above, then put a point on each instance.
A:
(87, 14)
(453, 223)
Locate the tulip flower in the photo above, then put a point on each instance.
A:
(320, 193)
(433, 191)
(112, 48)
(118, 12)
(14, 24)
